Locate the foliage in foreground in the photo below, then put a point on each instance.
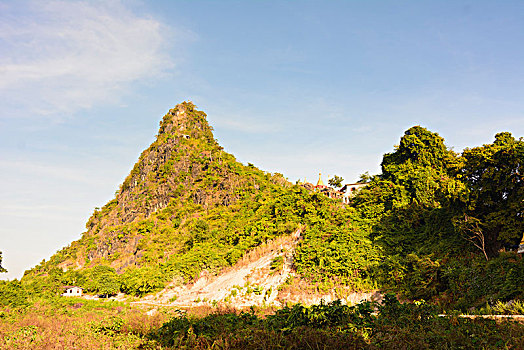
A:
(88, 324)
(337, 326)
(75, 323)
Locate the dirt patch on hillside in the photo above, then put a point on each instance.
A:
(257, 279)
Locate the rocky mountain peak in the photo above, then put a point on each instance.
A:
(185, 121)
(184, 167)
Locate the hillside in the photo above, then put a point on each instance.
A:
(183, 175)
(190, 223)
(188, 207)
(192, 236)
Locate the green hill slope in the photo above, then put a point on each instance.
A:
(188, 206)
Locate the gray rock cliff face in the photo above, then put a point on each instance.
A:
(184, 163)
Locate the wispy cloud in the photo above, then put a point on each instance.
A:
(62, 56)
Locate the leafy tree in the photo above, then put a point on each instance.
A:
(424, 167)
(429, 202)
(73, 277)
(335, 181)
(142, 281)
(409, 208)
(103, 280)
(1, 268)
(494, 210)
(407, 204)
(365, 178)
(13, 294)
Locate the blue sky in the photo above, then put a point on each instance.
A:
(295, 87)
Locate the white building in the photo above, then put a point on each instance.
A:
(72, 291)
(350, 190)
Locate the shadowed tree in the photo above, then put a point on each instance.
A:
(1, 268)
(407, 208)
(494, 174)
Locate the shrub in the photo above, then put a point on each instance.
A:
(13, 294)
(141, 281)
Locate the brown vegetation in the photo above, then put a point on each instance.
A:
(72, 327)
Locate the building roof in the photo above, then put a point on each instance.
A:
(71, 287)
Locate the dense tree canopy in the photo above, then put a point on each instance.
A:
(407, 205)
(424, 168)
(103, 280)
(434, 214)
(495, 178)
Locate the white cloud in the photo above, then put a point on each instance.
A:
(62, 56)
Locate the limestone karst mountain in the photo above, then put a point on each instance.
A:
(188, 208)
(183, 174)
(184, 164)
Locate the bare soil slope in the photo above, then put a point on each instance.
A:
(252, 281)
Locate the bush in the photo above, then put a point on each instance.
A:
(103, 280)
(141, 281)
(277, 263)
(335, 326)
(13, 294)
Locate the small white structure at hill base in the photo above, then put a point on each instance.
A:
(72, 291)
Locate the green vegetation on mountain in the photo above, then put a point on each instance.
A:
(188, 206)
(433, 225)
(436, 228)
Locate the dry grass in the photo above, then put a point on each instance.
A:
(71, 327)
(306, 292)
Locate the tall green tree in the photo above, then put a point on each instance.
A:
(424, 167)
(409, 208)
(419, 180)
(494, 211)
